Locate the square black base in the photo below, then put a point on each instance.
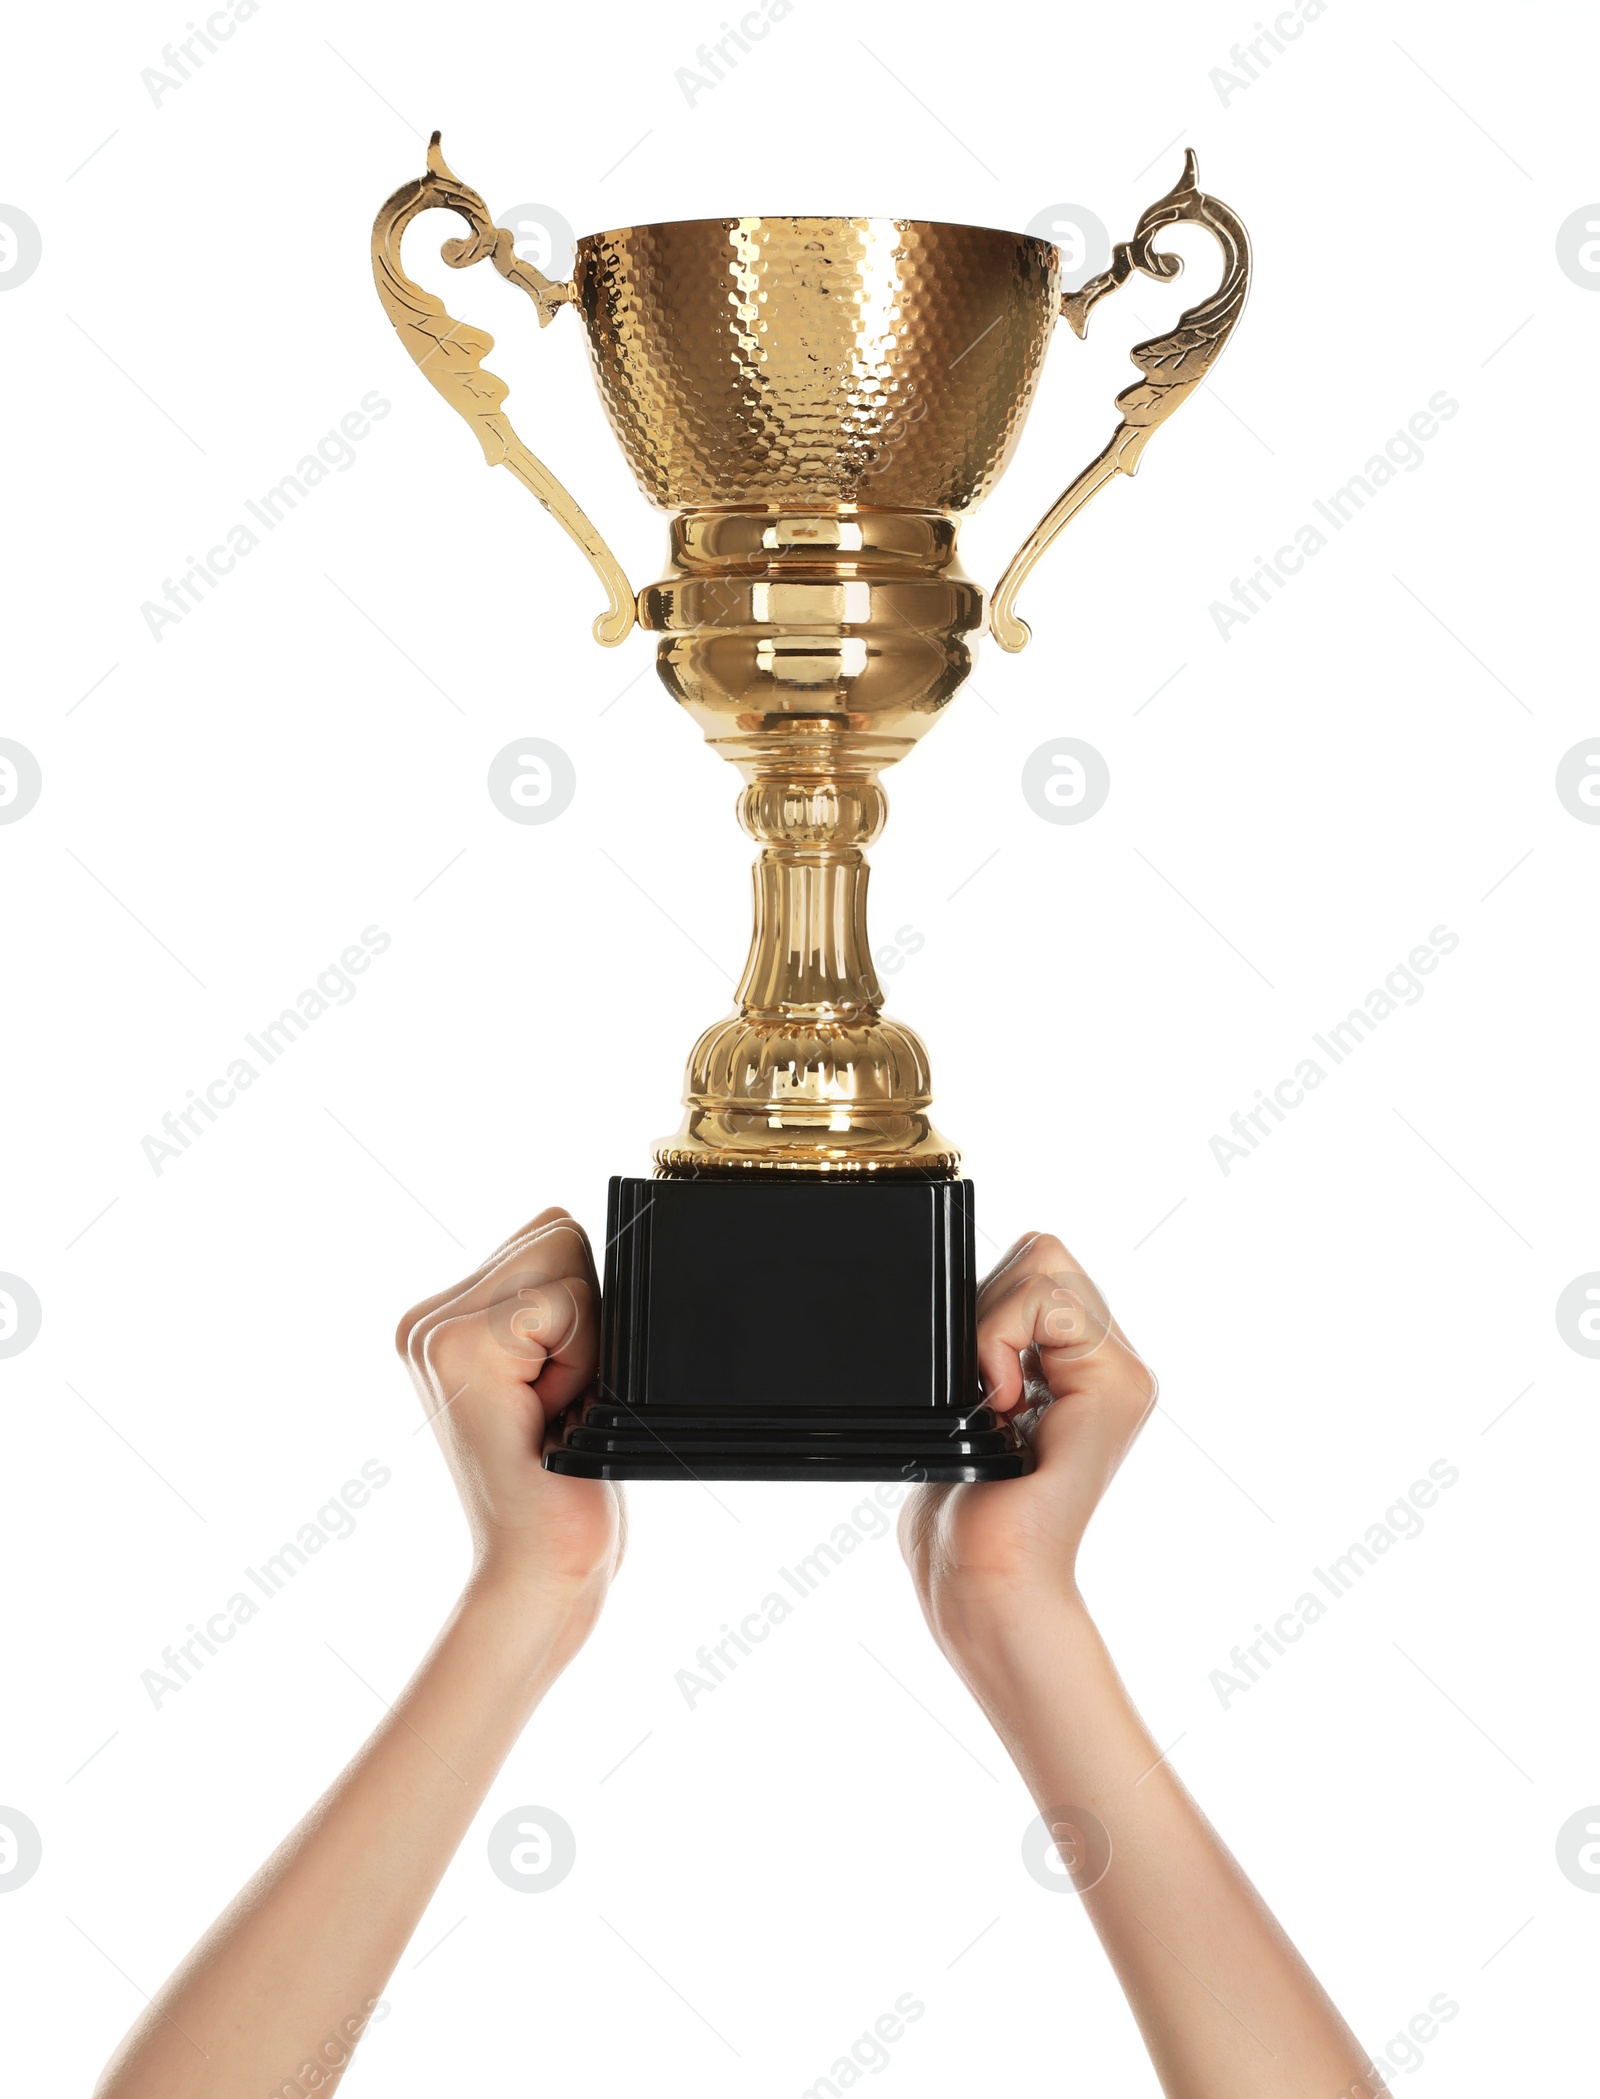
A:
(788, 1328)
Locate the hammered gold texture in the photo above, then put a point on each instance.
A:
(883, 362)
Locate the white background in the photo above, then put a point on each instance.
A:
(1293, 810)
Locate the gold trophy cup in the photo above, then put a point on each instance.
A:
(816, 403)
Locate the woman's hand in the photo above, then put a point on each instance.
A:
(495, 1359)
(1051, 1356)
(1227, 2007)
(316, 1934)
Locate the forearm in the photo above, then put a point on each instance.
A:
(1227, 2007)
(304, 1951)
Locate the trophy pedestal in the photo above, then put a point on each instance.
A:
(780, 1326)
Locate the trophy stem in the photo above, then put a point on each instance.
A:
(814, 650)
(809, 955)
(807, 1073)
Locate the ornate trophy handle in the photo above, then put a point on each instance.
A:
(1174, 365)
(449, 353)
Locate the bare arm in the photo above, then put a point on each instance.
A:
(1227, 2007)
(288, 1976)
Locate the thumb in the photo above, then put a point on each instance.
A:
(1049, 1343)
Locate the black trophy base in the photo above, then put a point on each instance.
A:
(787, 1329)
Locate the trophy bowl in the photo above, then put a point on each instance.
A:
(816, 364)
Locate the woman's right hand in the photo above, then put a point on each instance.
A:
(495, 1359)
